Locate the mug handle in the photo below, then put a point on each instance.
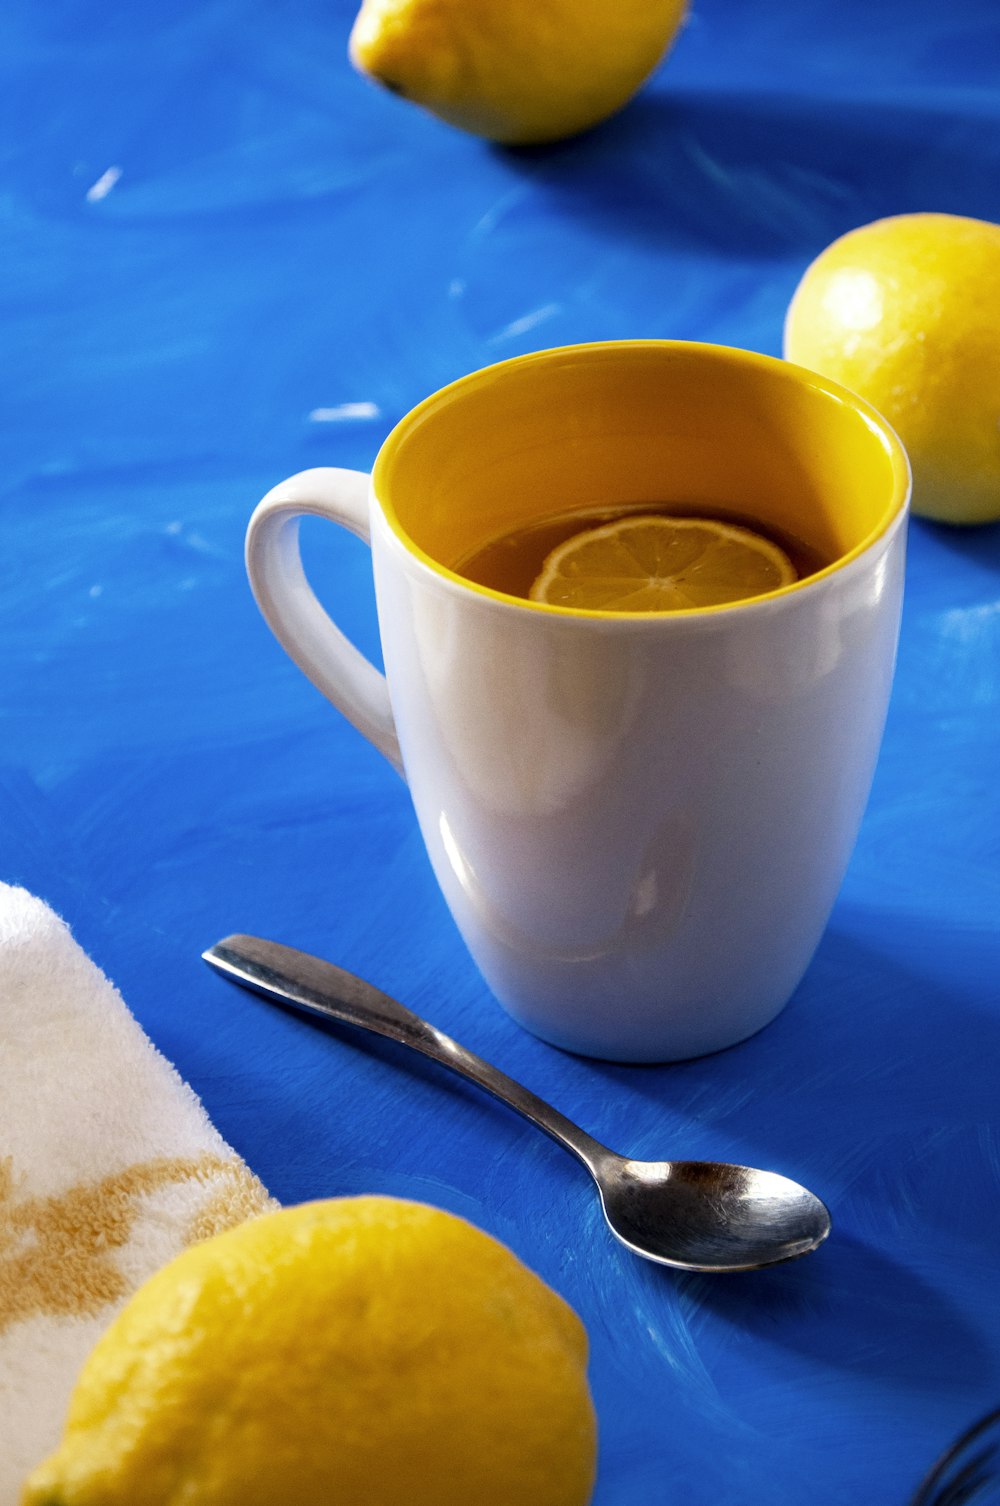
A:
(290, 607)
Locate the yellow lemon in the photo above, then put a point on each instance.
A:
(354, 1352)
(906, 312)
(514, 70)
(661, 564)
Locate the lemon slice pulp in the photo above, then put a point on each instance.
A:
(661, 564)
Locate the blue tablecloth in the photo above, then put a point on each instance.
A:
(226, 257)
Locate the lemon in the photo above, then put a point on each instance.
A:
(906, 312)
(661, 564)
(515, 71)
(353, 1352)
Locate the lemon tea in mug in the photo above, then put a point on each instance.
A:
(646, 557)
(638, 605)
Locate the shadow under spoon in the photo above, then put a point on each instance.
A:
(692, 1215)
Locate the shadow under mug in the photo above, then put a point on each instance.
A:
(639, 822)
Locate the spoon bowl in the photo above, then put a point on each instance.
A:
(692, 1215)
(709, 1215)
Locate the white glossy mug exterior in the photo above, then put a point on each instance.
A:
(640, 822)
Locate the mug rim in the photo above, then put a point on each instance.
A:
(894, 512)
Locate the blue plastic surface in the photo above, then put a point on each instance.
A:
(224, 258)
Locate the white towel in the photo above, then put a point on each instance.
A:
(109, 1166)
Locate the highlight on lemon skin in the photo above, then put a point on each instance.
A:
(362, 1351)
(515, 71)
(906, 312)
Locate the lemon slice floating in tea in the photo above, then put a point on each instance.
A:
(661, 564)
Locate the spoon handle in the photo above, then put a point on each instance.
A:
(292, 977)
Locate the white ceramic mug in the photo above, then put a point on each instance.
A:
(640, 822)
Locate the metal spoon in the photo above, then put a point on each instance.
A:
(694, 1215)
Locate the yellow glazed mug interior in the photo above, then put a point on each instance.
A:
(638, 422)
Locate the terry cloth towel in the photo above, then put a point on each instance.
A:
(109, 1166)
